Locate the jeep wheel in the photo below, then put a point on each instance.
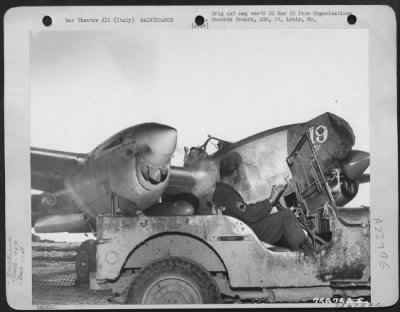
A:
(173, 281)
(85, 262)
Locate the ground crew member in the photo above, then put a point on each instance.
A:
(270, 228)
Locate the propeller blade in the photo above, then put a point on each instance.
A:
(364, 178)
(355, 164)
(155, 175)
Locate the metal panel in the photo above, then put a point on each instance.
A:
(175, 245)
(248, 262)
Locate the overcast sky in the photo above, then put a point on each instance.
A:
(85, 86)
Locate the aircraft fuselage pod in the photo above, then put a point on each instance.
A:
(265, 163)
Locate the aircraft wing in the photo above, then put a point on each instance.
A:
(49, 168)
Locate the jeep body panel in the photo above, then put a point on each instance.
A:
(248, 263)
(177, 245)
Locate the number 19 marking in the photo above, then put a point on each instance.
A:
(318, 134)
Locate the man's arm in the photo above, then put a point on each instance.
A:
(249, 213)
(257, 211)
(277, 191)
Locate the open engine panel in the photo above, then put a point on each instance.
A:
(313, 195)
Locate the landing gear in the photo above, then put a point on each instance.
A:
(85, 262)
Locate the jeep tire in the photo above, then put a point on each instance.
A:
(173, 280)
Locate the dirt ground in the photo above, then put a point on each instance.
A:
(53, 277)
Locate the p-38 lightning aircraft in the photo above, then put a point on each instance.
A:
(130, 174)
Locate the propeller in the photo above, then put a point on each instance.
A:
(364, 178)
(154, 174)
(354, 165)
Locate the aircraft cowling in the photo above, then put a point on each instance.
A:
(332, 137)
(139, 173)
(132, 166)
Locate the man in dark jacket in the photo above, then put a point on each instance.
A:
(270, 228)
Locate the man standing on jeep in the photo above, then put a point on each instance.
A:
(269, 228)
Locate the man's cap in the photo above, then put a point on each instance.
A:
(230, 163)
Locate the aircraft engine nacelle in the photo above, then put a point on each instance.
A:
(323, 150)
(139, 178)
(45, 200)
(126, 173)
(344, 182)
(343, 189)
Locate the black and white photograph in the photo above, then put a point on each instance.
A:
(229, 156)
